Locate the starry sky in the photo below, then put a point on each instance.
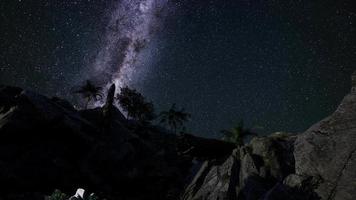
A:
(279, 65)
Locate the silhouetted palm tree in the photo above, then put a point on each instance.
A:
(90, 92)
(174, 118)
(237, 134)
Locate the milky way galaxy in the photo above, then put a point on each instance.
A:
(131, 26)
(280, 65)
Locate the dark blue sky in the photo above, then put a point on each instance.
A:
(280, 65)
(277, 65)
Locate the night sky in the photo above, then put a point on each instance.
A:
(280, 65)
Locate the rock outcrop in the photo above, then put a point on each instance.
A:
(328, 151)
(317, 164)
(255, 171)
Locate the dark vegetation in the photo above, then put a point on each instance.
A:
(174, 118)
(58, 195)
(136, 106)
(238, 134)
(90, 92)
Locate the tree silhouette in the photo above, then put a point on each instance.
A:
(237, 134)
(90, 92)
(135, 105)
(174, 118)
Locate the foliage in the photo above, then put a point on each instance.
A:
(237, 134)
(135, 105)
(58, 195)
(174, 118)
(90, 92)
(86, 197)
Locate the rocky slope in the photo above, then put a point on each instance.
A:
(327, 152)
(46, 144)
(317, 164)
(261, 170)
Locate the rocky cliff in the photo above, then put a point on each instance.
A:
(317, 164)
(258, 170)
(326, 151)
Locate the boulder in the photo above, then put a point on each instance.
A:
(276, 152)
(247, 174)
(215, 180)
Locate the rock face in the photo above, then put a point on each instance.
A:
(317, 164)
(327, 151)
(255, 171)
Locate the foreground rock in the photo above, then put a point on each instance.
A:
(327, 151)
(259, 170)
(317, 164)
